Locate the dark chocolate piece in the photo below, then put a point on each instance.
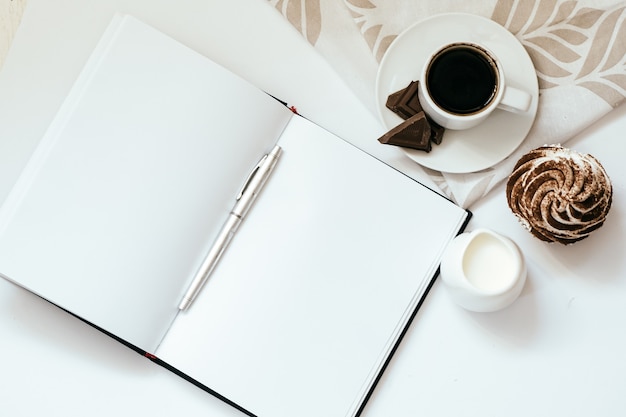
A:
(392, 100)
(436, 134)
(413, 133)
(409, 103)
(405, 103)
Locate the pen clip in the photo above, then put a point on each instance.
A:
(249, 178)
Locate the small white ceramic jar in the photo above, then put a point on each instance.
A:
(483, 271)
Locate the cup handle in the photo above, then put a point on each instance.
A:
(515, 100)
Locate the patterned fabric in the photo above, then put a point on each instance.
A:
(578, 48)
(572, 45)
(10, 16)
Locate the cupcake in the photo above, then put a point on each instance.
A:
(558, 194)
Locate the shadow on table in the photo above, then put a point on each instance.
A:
(518, 323)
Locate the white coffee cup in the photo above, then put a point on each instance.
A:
(462, 83)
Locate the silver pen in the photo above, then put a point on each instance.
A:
(251, 188)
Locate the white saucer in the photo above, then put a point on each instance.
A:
(470, 150)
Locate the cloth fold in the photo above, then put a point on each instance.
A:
(578, 48)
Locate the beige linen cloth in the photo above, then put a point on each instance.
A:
(578, 48)
(10, 16)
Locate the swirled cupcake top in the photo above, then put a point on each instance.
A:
(558, 194)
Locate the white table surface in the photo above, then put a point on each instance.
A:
(559, 350)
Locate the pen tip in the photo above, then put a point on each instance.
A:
(276, 151)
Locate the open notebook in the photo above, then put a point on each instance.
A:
(129, 187)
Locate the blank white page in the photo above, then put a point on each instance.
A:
(305, 304)
(132, 181)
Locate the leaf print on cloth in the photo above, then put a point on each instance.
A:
(368, 19)
(571, 44)
(304, 15)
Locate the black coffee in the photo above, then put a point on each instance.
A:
(462, 80)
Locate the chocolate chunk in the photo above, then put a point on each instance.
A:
(409, 102)
(436, 135)
(392, 100)
(405, 103)
(415, 132)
